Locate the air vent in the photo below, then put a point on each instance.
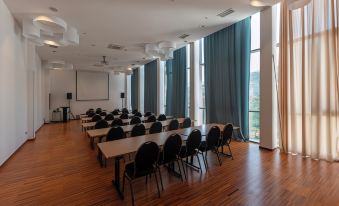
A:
(115, 46)
(226, 13)
(183, 36)
(52, 46)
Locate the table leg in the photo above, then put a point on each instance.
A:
(116, 181)
(92, 142)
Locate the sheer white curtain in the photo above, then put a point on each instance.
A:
(309, 79)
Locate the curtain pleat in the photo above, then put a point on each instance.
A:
(227, 72)
(308, 80)
(176, 84)
(150, 97)
(135, 89)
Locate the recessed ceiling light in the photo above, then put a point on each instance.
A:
(258, 3)
(92, 44)
(202, 26)
(84, 33)
(53, 9)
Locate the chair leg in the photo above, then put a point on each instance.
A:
(183, 168)
(204, 158)
(123, 183)
(220, 161)
(146, 179)
(132, 192)
(229, 148)
(162, 185)
(156, 180)
(199, 163)
(179, 170)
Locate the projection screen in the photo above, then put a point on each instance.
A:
(92, 86)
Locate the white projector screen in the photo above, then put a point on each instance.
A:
(92, 85)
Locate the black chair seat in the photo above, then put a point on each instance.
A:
(129, 169)
(204, 147)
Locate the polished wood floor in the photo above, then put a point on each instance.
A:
(59, 168)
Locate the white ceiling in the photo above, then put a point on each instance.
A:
(130, 23)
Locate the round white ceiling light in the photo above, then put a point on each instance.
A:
(162, 50)
(297, 4)
(50, 24)
(258, 3)
(70, 37)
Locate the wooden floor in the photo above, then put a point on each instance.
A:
(59, 168)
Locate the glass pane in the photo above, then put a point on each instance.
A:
(255, 31)
(254, 125)
(254, 87)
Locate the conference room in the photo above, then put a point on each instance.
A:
(169, 102)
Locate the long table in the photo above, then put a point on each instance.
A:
(118, 148)
(89, 119)
(98, 133)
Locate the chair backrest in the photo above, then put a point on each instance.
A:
(147, 114)
(109, 117)
(98, 111)
(173, 125)
(138, 114)
(193, 142)
(171, 148)
(115, 133)
(138, 130)
(124, 116)
(156, 127)
(96, 118)
(227, 134)
(187, 123)
(115, 112)
(125, 110)
(101, 124)
(213, 137)
(151, 118)
(103, 114)
(134, 111)
(162, 117)
(135, 120)
(146, 157)
(90, 111)
(117, 122)
(91, 114)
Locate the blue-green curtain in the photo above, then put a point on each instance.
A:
(135, 88)
(151, 87)
(176, 84)
(227, 73)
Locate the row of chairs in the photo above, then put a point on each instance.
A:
(149, 157)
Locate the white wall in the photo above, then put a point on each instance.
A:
(19, 65)
(63, 81)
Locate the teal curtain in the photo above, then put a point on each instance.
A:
(135, 89)
(150, 97)
(176, 84)
(227, 73)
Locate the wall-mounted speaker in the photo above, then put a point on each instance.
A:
(69, 95)
(122, 95)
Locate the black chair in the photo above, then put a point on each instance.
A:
(89, 111)
(151, 118)
(109, 117)
(144, 164)
(138, 114)
(147, 114)
(135, 120)
(96, 118)
(226, 140)
(162, 117)
(125, 110)
(115, 133)
(117, 122)
(191, 149)
(173, 125)
(170, 154)
(187, 123)
(115, 112)
(91, 114)
(101, 124)
(138, 130)
(124, 116)
(98, 111)
(211, 143)
(156, 127)
(103, 114)
(134, 111)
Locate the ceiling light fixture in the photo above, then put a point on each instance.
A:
(258, 3)
(53, 9)
(50, 24)
(70, 37)
(296, 4)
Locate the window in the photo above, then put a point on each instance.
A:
(163, 87)
(187, 96)
(202, 102)
(254, 86)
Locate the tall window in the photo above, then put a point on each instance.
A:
(254, 87)
(202, 102)
(163, 86)
(188, 66)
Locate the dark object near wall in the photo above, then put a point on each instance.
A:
(122, 95)
(69, 95)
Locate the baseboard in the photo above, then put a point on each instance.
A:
(14, 153)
